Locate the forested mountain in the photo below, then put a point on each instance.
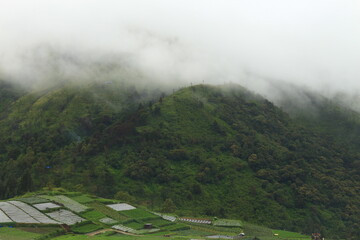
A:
(212, 150)
(8, 94)
(335, 117)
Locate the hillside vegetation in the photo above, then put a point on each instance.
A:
(204, 150)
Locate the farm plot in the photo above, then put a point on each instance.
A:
(176, 227)
(220, 237)
(82, 199)
(166, 217)
(34, 213)
(227, 223)
(93, 215)
(32, 200)
(134, 225)
(195, 220)
(108, 221)
(16, 214)
(194, 232)
(4, 218)
(143, 231)
(124, 228)
(65, 216)
(255, 230)
(139, 214)
(216, 229)
(46, 206)
(121, 206)
(160, 222)
(107, 211)
(131, 230)
(68, 203)
(90, 227)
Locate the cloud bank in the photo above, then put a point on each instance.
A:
(251, 42)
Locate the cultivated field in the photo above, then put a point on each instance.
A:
(68, 203)
(28, 218)
(65, 216)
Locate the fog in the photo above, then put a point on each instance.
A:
(310, 43)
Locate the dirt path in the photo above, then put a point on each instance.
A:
(110, 229)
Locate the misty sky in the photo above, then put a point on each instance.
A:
(315, 43)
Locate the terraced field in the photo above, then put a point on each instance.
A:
(134, 225)
(4, 218)
(68, 203)
(66, 217)
(28, 218)
(83, 199)
(228, 223)
(90, 227)
(93, 215)
(139, 214)
(107, 211)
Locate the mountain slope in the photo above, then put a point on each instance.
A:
(8, 94)
(334, 117)
(212, 150)
(37, 125)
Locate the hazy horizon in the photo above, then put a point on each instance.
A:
(315, 44)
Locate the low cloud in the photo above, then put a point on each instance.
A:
(252, 42)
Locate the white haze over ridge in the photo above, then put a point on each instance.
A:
(313, 43)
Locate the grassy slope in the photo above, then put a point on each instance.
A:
(16, 234)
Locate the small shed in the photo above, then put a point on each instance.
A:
(148, 226)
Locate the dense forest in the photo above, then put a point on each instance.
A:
(211, 150)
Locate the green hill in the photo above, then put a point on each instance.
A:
(204, 150)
